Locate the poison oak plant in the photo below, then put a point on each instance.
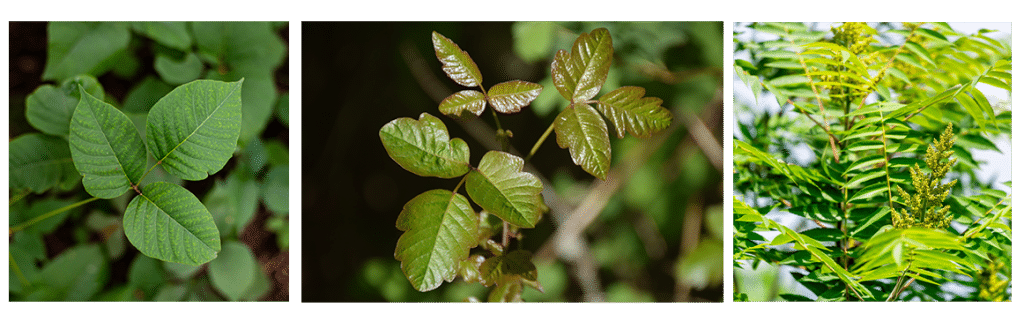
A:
(441, 226)
(890, 206)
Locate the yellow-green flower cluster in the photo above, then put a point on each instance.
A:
(926, 209)
(853, 35)
(991, 287)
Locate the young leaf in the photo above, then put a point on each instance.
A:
(169, 223)
(516, 263)
(440, 228)
(422, 147)
(502, 189)
(106, 148)
(456, 62)
(578, 76)
(629, 111)
(463, 101)
(193, 130)
(583, 131)
(39, 163)
(509, 97)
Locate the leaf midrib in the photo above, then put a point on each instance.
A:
(117, 157)
(201, 124)
(190, 233)
(505, 197)
(446, 142)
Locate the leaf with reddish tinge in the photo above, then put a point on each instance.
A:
(440, 228)
(422, 147)
(456, 62)
(500, 187)
(583, 131)
(463, 101)
(628, 110)
(578, 75)
(511, 96)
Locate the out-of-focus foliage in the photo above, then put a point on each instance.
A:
(866, 183)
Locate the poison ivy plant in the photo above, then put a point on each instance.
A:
(166, 137)
(441, 226)
(864, 182)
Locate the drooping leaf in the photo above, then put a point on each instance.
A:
(169, 223)
(578, 75)
(178, 72)
(500, 187)
(583, 131)
(50, 108)
(440, 228)
(456, 62)
(422, 147)
(193, 131)
(231, 273)
(511, 96)
(106, 148)
(629, 110)
(39, 163)
(464, 101)
(83, 48)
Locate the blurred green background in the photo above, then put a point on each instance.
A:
(651, 232)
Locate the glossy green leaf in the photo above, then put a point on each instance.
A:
(106, 148)
(422, 147)
(82, 48)
(580, 129)
(50, 108)
(169, 223)
(39, 163)
(172, 34)
(464, 101)
(500, 187)
(77, 274)
(178, 72)
(628, 110)
(456, 62)
(231, 273)
(578, 75)
(440, 228)
(193, 131)
(511, 96)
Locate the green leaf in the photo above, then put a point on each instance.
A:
(440, 228)
(583, 131)
(193, 130)
(77, 274)
(578, 76)
(143, 96)
(464, 101)
(178, 72)
(628, 110)
(231, 273)
(422, 147)
(456, 62)
(146, 274)
(169, 223)
(233, 202)
(517, 263)
(39, 163)
(511, 96)
(501, 188)
(82, 48)
(172, 34)
(275, 190)
(50, 108)
(106, 148)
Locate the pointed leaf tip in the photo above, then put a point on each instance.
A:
(456, 62)
(512, 96)
(440, 228)
(579, 75)
(464, 101)
(500, 187)
(628, 110)
(422, 147)
(105, 147)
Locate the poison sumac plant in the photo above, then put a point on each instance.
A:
(441, 226)
(892, 198)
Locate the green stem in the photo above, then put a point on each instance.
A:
(539, 141)
(19, 196)
(17, 271)
(456, 190)
(48, 215)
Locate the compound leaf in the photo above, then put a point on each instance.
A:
(512, 96)
(440, 228)
(106, 148)
(231, 273)
(169, 223)
(628, 110)
(464, 101)
(193, 130)
(39, 163)
(502, 189)
(456, 62)
(578, 75)
(422, 147)
(583, 131)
